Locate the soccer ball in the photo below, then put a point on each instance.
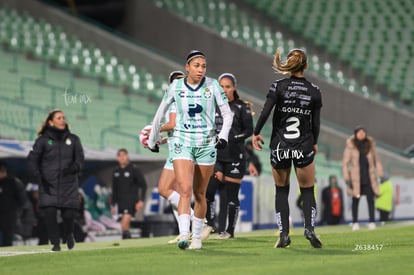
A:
(144, 135)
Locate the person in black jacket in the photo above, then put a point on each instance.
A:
(12, 198)
(55, 162)
(230, 165)
(128, 191)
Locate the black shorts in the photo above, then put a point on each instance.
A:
(234, 169)
(126, 210)
(282, 154)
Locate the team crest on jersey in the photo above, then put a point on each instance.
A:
(207, 93)
(178, 148)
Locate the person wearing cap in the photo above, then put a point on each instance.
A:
(296, 122)
(194, 141)
(55, 162)
(360, 167)
(230, 165)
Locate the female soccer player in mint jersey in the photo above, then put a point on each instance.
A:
(194, 141)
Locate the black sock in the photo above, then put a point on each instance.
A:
(233, 206)
(222, 217)
(282, 208)
(126, 234)
(309, 207)
(210, 199)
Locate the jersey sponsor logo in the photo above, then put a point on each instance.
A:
(183, 94)
(297, 88)
(194, 109)
(189, 126)
(283, 153)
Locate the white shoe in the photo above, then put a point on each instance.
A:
(195, 244)
(372, 226)
(355, 226)
(206, 232)
(224, 236)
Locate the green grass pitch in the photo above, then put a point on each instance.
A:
(387, 250)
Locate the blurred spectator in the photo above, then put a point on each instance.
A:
(128, 191)
(254, 167)
(39, 227)
(384, 203)
(332, 202)
(12, 198)
(361, 167)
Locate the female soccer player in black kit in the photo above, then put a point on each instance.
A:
(296, 123)
(230, 164)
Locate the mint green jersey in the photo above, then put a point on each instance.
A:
(195, 111)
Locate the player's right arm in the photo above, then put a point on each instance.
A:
(154, 138)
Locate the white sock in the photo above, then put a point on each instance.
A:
(173, 199)
(198, 225)
(192, 214)
(184, 226)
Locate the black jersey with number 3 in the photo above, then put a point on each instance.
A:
(296, 117)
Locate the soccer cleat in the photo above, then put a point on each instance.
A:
(355, 226)
(372, 226)
(224, 236)
(175, 240)
(70, 242)
(183, 244)
(206, 232)
(313, 239)
(283, 241)
(56, 248)
(195, 244)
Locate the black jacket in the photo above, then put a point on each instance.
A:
(241, 129)
(128, 186)
(55, 162)
(12, 197)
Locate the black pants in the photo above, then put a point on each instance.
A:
(384, 215)
(7, 227)
(52, 225)
(366, 189)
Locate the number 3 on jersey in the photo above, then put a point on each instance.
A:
(293, 128)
